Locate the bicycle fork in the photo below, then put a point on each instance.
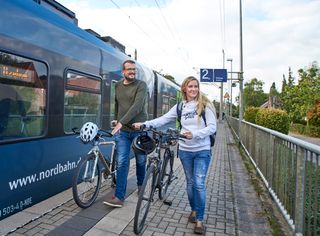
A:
(89, 166)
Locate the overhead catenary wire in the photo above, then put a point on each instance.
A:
(222, 22)
(173, 32)
(175, 36)
(138, 26)
(151, 20)
(156, 42)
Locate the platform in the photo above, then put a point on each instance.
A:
(232, 207)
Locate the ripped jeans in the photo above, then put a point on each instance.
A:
(195, 165)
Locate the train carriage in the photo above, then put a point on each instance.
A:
(54, 76)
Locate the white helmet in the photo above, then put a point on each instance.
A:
(88, 131)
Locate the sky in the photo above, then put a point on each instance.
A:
(178, 37)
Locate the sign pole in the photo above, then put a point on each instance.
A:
(221, 94)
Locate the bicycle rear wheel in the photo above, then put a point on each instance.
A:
(85, 183)
(145, 199)
(166, 174)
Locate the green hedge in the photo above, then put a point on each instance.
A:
(273, 119)
(250, 114)
(310, 130)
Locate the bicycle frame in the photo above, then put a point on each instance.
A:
(87, 178)
(112, 156)
(96, 151)
(157, 175)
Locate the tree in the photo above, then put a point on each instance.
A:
(299, 99)
(308, 90)
(287, 95)
(313, 114)
(273, 91)
(253, 93)
(284, 84)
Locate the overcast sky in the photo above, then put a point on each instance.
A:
(178, 37)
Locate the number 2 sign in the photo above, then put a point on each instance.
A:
(206, 75)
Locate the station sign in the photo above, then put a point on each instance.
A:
(213, 75)
(220, 75)
(206, 75)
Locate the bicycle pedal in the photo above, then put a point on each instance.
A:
(106, 174)
(173, 178)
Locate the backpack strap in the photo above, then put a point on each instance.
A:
(179, 112)
(203, 115)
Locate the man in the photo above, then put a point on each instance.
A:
(130, 99)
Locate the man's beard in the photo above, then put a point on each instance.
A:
(130, 79)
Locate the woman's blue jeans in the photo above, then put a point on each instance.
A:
(123, 146)
(195, 165)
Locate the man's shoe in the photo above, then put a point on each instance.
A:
(199, 229)
(114, 202)
(192, 218)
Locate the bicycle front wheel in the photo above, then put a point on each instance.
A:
(145, 199)
(166, 174)
(86, 182)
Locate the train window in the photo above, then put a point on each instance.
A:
(173, 101)
(82, 100)
(112, 99)
(165, 104)
(23, 90)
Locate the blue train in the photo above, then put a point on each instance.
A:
(55, 76)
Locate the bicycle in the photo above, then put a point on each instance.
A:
(159, 174)
(87, 178)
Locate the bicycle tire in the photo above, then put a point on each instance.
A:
(165, 174)
(145, 198)
(84, 189)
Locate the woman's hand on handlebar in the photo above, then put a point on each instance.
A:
(137, 125)
(187, 135)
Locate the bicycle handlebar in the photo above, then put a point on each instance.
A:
(170, 132)
(101, 133)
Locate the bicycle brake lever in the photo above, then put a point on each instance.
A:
(74, 130)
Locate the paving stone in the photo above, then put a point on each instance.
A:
(46, 226)
(170, 230)
(227, 205)
(33, 231)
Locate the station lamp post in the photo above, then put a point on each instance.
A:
(230, 108)
(241, 68)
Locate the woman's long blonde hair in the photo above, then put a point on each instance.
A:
(202, 100)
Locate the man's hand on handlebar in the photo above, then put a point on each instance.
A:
(113, 123)
(116, 128)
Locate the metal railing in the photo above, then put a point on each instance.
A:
(289, 168)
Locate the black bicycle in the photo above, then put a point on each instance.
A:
(159, 174)
(87, 178)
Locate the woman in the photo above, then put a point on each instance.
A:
(195, 151)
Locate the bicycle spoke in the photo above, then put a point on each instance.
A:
(166, 175)
(86, 182)
(145, 199)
